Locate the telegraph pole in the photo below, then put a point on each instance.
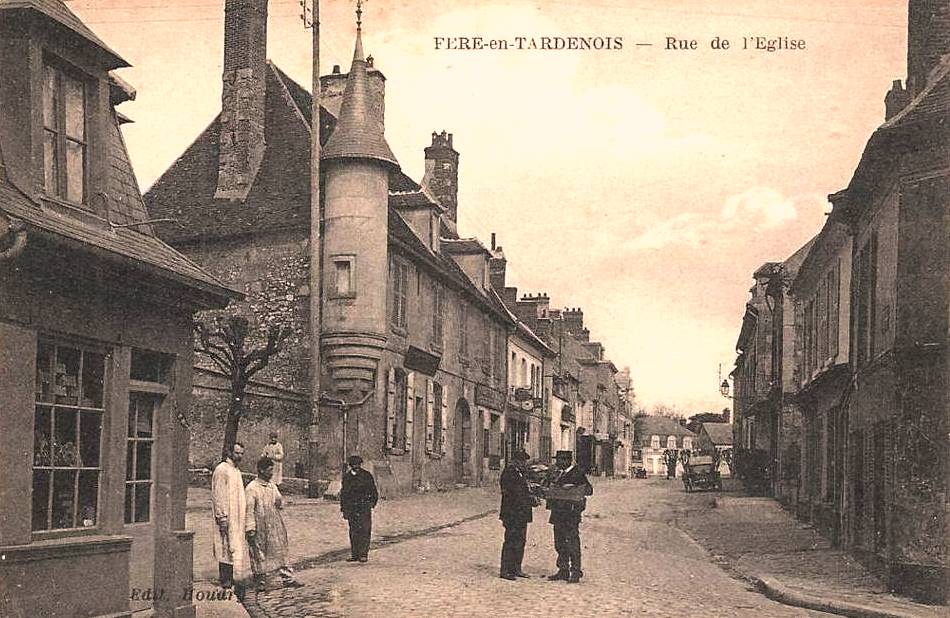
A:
(311, 19)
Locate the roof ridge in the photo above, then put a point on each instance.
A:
(288, 98)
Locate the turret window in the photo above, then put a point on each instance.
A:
(344, 277)
(64, 136)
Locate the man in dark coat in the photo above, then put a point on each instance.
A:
(515, 514)
(358, 496)
(566, 517)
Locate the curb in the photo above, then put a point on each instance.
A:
(778, 592)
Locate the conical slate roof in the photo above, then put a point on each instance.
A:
(356, 135)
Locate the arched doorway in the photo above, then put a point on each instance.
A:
(464, 471)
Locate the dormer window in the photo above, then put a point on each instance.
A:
(64, 135)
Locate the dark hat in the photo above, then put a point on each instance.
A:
(520, 455)
(568, 454)
(354, 460)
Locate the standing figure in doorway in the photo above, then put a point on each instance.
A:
(274, 451)
(566, 516)
(358, 497)
(228, 504)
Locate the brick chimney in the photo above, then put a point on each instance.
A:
(442, 173)
(241, 142)
(897, 99)
(573, 320)
(497, 267)
(928, 39)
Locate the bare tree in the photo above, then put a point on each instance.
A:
(224, 341)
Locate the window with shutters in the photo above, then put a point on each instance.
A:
(834, 307)
(400, 400)
(463, 329)
(865, 300)
(437, 420)
(438, 314)
(64, 135)
(400, 298)
(67, 436)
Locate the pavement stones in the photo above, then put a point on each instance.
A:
(632, 568)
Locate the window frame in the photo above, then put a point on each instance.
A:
(64, 72)
(438, 314)
(398, 315)
(156, 396)
(83, 348)
(350, 260)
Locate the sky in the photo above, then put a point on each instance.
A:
(642, 184)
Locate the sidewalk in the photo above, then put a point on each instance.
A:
(789, 561)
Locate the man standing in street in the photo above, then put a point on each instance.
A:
(358, 497)
(228, 504)
(274, 451)
(570, 485)
(515, 514)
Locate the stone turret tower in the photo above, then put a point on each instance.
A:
(441, 177)
(357, 163)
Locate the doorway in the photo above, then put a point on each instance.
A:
(463, 443)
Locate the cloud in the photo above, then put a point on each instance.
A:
(763, 207)
(686, 228)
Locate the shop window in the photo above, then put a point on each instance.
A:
(140, 448)
(64, 135)
(67, 442)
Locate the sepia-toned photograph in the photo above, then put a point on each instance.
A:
(474, 308)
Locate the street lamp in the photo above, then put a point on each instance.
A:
(724, 389)
(724, 385)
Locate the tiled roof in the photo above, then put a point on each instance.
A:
(463, 246)
(280, 196)
(355, 135)
(646, 426)
(402, 236)
(57, 11)
(719, 433)
(932, 102)
(141, 248)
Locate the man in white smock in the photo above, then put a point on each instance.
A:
(274, 451)
(228, 504)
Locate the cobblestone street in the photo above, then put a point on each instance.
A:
(636, 563)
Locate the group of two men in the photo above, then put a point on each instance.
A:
(250, 537)
(518, 502)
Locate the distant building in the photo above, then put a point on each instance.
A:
(656, 434)
(716, 437)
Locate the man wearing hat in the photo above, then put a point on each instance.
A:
(358, 496)
(566, 517)
(515, 514)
